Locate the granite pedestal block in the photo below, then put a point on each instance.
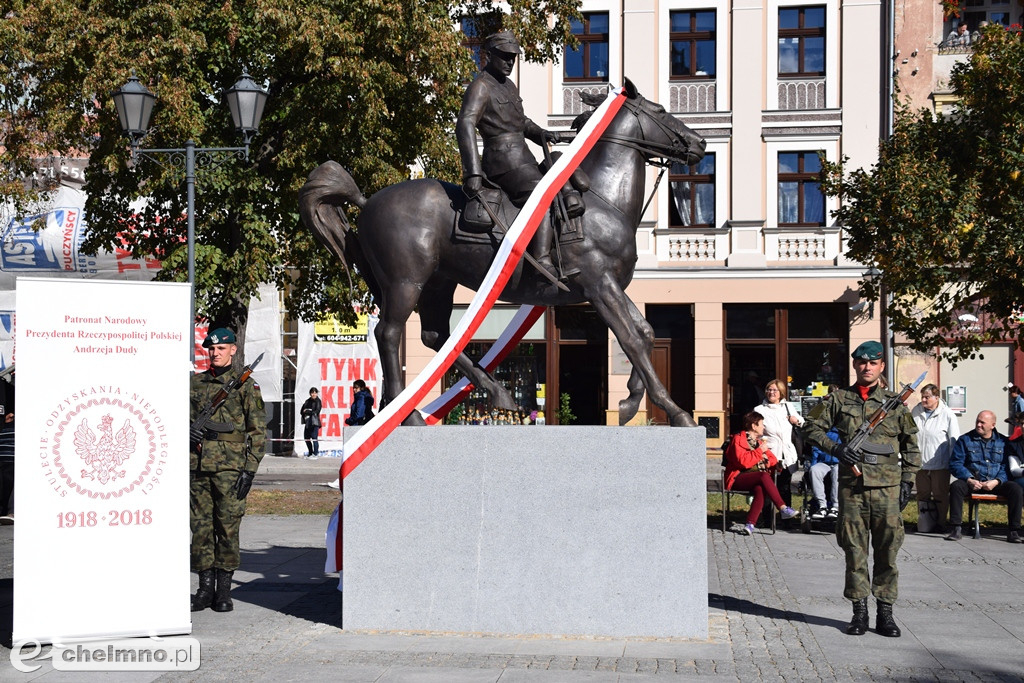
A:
(546, 530)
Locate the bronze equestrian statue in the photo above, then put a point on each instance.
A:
(410, 253)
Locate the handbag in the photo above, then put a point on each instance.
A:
(796, 435)
(314, 420)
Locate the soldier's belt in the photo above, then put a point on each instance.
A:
(872, 451)
(234, 437)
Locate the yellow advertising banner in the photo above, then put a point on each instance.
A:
(329, 329)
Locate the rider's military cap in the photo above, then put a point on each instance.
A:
(503, 41)
(869, 350)
(221, 335)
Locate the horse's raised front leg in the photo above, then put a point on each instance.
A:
(614, 306)
(435, 319)
(398, 304)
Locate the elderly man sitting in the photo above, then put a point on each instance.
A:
(979, 463)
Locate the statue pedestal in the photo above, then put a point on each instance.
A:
(529, 530)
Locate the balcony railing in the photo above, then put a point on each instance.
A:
(802, 94)
(692, 96)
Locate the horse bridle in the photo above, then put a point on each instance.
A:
(677, 151)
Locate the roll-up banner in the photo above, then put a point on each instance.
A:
(101, 548)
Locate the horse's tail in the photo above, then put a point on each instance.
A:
(321, 205)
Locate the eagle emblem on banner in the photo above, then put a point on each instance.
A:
(104, 453)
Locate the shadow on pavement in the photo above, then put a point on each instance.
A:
(292, 583)
(727, 602)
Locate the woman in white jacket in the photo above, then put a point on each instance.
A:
(937, 431)
(779, 420)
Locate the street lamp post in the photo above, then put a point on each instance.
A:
(134, 103)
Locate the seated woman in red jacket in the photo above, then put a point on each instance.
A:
(748, 467)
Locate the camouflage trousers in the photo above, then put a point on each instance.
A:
(870, 516)
(215, 516)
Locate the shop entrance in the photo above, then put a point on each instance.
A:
(579, 366)
(804, 345)
(673, 356)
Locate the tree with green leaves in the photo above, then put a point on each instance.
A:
(941, 214)
(372, 84)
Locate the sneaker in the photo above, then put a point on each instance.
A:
(789, 513)
(8, 520)
(818, 514)
(833, 512)
(1014, 537)
(747, 530)
(955, 534)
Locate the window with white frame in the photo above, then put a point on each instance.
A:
(692, 41)
(801, 202)
(802, 41)
(692, 194)
(588, 62)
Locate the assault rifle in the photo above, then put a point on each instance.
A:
(203, 422)
(857, 444)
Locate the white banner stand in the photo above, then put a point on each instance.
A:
(101, 548)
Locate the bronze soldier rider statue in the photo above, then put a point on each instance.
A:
(493, 106)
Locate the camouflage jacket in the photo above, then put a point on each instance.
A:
(242, 448)
(845, 410)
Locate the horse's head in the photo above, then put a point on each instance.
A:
(650, 129)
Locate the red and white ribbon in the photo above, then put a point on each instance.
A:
(510, 251)
(520, 324)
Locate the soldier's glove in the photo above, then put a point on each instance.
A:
(552, 136)
(845, 455)
(472, 185)
(196, 436)
(243, 484)
(905, 488)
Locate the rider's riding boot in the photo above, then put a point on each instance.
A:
(859, 624)
(540, 246)
(222, 602)
(885, 625)
(204, 596)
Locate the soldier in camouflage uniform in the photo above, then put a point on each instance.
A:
(223, 464)
(870, 505)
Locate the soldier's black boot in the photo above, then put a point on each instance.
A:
(859, 624)
(885, 625)
(222, 602)
(204, 596)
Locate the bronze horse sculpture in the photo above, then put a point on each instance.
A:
(405, 251)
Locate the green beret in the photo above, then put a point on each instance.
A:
(503, 41)
(869, 350)
(221, 335)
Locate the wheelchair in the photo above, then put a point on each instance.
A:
(809, 520)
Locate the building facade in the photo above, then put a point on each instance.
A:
(928, 42)
(741, 268)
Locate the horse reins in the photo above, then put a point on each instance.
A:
(676, 152)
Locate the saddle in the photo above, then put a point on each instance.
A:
(474, 222)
